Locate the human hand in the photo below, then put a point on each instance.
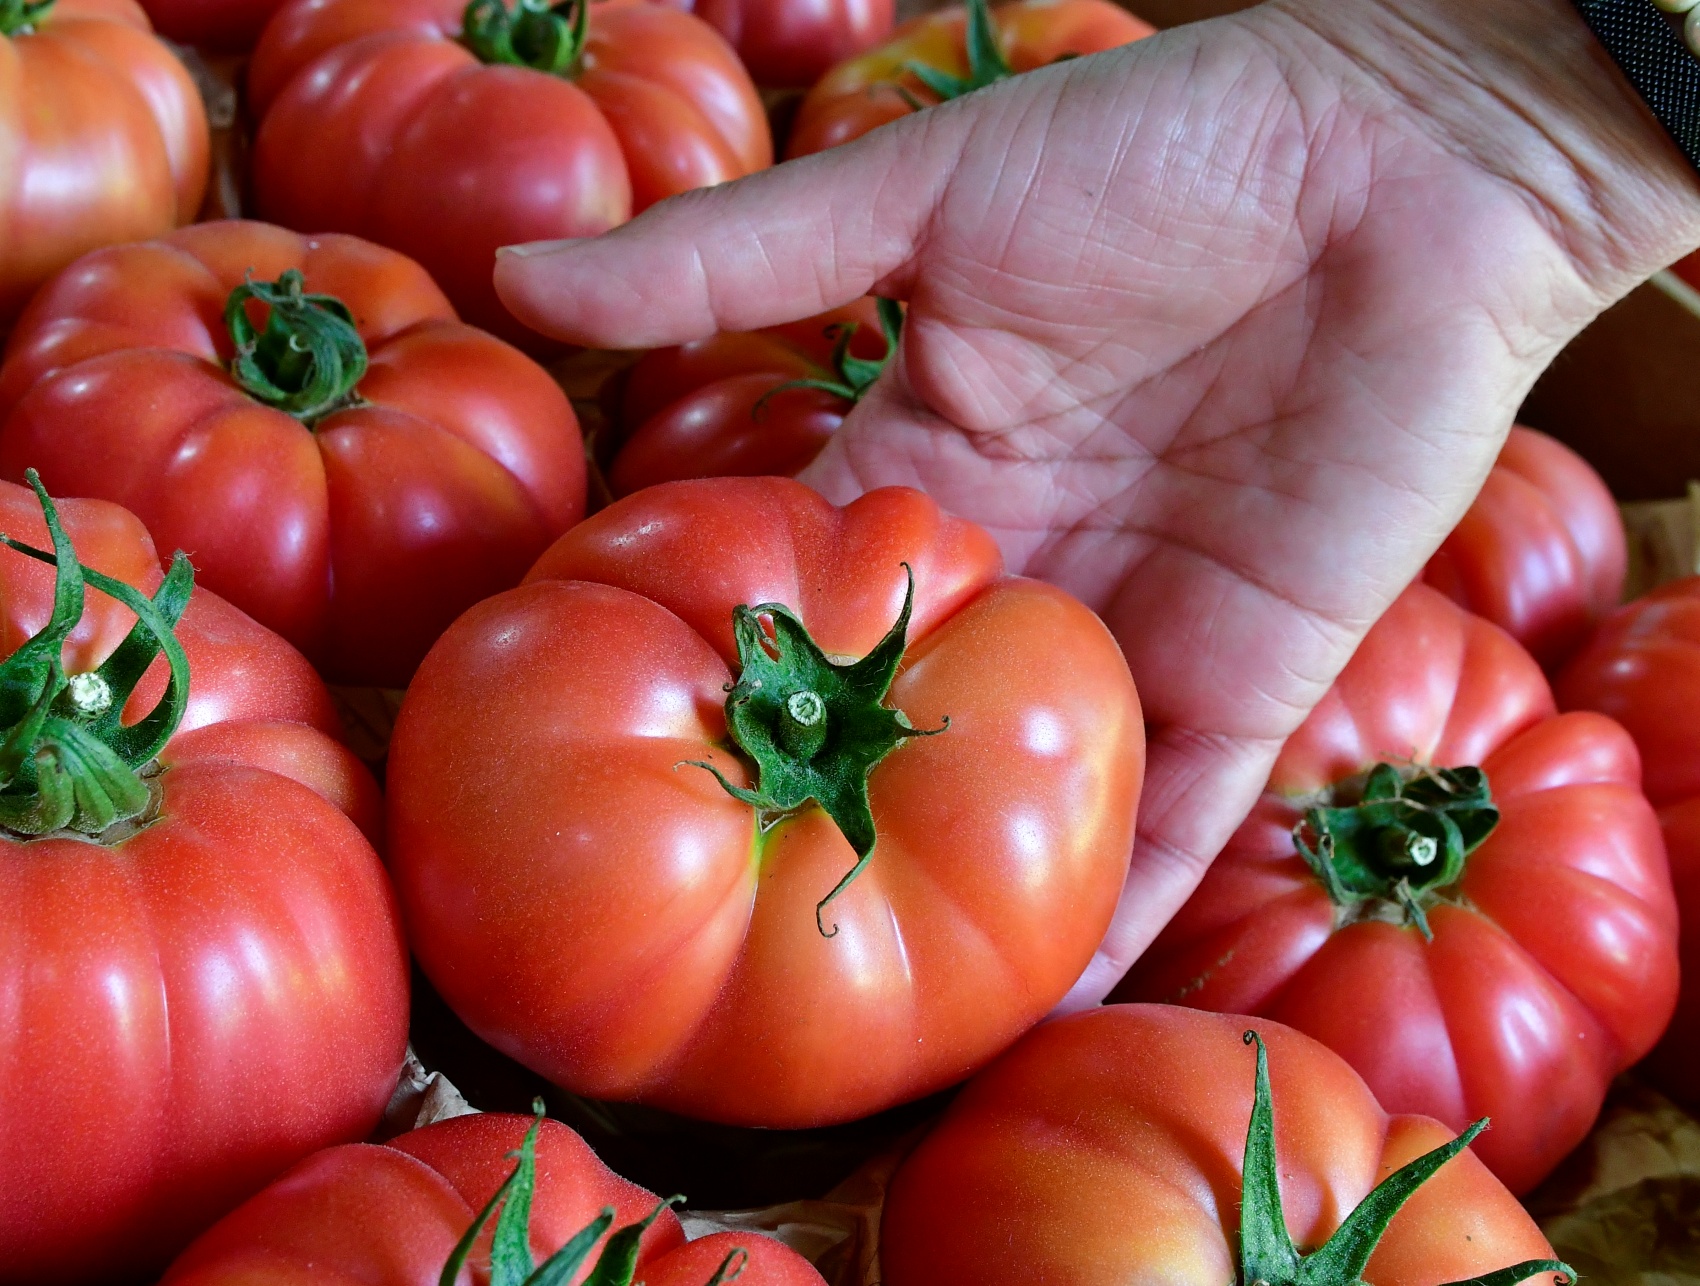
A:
(1221, 332)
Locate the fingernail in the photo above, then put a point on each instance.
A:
(527, 249)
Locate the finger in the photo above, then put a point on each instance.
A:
(1198, 789)
(803, 237)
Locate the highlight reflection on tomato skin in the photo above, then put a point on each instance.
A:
(1541, 552)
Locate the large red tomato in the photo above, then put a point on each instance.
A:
(396, 1214)
(950, 52)
(1642, 668)
(386, 119)
(1458, 891)
(201, 965)
(752, 403)
(224, 26)
(638, 901)
(103, 137)
(1144, 1143)
(353, 468)
(1541, 553)
(790, 44)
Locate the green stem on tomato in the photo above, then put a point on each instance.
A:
(21, 17)
(308, 359)
(538, 34)
(854, 375)
(67, 761)
(1267, 1254)
(1402, 841)
(815, 729)
(986, 63)
(511, 1262)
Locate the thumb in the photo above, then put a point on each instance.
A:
(800, 238)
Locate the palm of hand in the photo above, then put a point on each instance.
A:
(1212, 331)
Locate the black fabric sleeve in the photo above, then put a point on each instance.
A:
(1648, 46)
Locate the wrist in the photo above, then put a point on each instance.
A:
(1522, 89)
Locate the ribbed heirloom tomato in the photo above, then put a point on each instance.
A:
(305, 417)
(948, 53)
(1642, 668)
(1458, 891)
(103, 137)
(202, 977)
(1541, 553)
(447, 129)
(789, 44)
(716, 813)
(750, 403)
(529, 1194)
(1144, 1143)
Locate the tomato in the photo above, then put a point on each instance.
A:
(790, 44)
(222, 26)
(1482, 925)
(201, 961)
(1118, 1145)
(376, 119)
(745, 404)
(1688, 268)
(103, 134)
(606, 885)
(1541, 553)
(1642, 668)
(958, 52)
(394, 1213)
(355, 502)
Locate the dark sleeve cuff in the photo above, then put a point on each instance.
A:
(1646, 45)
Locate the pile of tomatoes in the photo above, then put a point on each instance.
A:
(704, 793)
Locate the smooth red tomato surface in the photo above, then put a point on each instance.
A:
(104, 139)
(1688, 268)
(790, 44)
(865, 92)
(1541, 553)
(708, 409)
(1553, 961)
(1106, 1148)
(375, 120)
(619, 923)
(359, 539)
(223, 26)
(393, 1213)
(1642, 667)
(187, 1011)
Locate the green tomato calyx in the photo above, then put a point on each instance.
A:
(1401, 841)
(986, 63)
(21, 17)
(511, 1262)
(815, 729)
(67, 762)
(852, 376)
(309, 357)
(1267, 1254)
(538, 34)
